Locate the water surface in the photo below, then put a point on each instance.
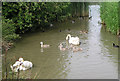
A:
(98, 60)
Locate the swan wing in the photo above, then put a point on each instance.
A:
(27, 64)
(20, 67)
(17, 63)
(74, 40)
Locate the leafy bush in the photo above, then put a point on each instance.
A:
(8, 30)
(29, 16)
(33, 15)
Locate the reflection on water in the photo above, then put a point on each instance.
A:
(97, 60)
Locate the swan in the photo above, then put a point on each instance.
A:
(25, 64)
(44, 46)
(16, 64)
(73, 40)
(21, 65)
(14, 69)
(18, 68)
(75, 49)
(83, 32)
(62, 48)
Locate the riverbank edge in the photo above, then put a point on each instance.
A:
(7, 45)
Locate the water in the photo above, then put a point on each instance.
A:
(98, 60)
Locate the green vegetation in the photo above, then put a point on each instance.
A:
(109, 15)
(8, 30)
(22, 17)
(30, 16)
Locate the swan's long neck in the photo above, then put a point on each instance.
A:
(11, 67)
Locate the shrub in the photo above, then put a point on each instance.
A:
(8, 30)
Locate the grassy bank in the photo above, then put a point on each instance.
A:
(109, 15)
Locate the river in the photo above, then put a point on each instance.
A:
(97, 60)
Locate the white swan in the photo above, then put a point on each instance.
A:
(18, 68)
(21, 65)
(14, 69)
(73, 40)
(44, 46)
(16, 64)
(25, 64)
